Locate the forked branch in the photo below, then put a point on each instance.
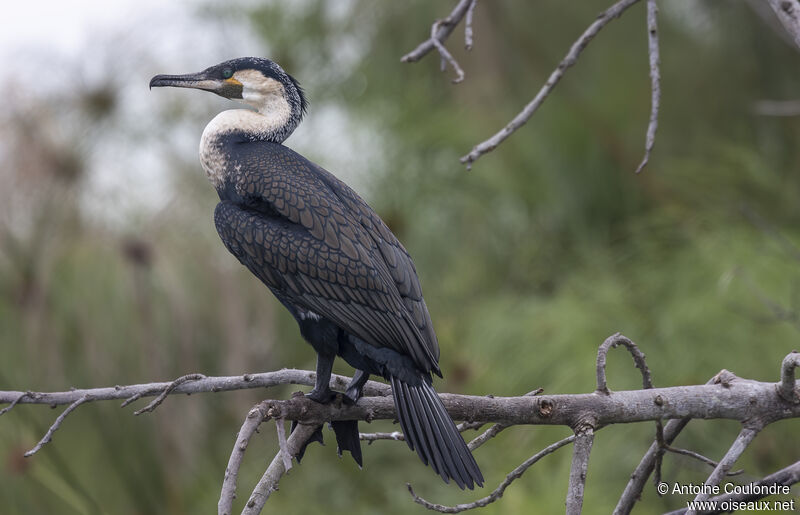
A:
(751, 402)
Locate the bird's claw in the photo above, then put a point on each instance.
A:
(325, 396)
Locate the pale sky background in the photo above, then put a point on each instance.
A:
(132, 40)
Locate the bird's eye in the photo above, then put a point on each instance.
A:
(227, 73)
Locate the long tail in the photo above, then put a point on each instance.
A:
(430, 431)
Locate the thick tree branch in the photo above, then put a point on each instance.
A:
(584, 438)
(277, 468)
(787, 389)
(209, 384)
(788, 12)
(254, 418)
(734, 398)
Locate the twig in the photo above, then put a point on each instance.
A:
(277, 468)
(787, 387)
(445, 28)
(571, 58)
(655, 81)
(584, 437)
(495, 429)
(777, 108)
(486, 436)
(14, 403)
(746, 435)
(469, 425)
(788, 12)
(698, 457)
(497, 493)
(446, 55)
(170, 387)
(638, 359)
(373, 437)
(284, 451)
(468, 25)
(254, 419)
(59, 420)
(768, 229)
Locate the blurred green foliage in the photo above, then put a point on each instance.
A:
(529, 261)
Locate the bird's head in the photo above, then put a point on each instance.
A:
(255, 81)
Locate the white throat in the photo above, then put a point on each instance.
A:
(269, 123)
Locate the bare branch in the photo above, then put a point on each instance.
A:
(445, 27)
(633, 490)
(638, 359)
(788, 385)
(209, 384)
(497, 493)
(746, 435)
(468, 25)
(59, 420)
(284, 450)
(446, 55)
(699, 457)
(469, 425)
(768, 229)
(777, 108)
(788, 12)
(277, 468)
(485, 436)
(14, 403)
(254, 419)
(171, 387)
(615, 11)
(584, 437)
(764, 11)
(652, 460)
(374, 437)
(495, 429)
(655, 81)
(732, 398)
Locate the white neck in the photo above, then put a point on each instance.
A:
(271, 123)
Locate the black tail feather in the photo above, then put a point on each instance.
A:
(316, 436)
(347, 439)
(432, 433)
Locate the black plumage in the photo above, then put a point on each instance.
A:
(327, 256)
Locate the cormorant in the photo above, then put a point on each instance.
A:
(327, 257)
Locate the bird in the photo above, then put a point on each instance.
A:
(326, 256)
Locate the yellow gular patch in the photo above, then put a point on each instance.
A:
(233, 81)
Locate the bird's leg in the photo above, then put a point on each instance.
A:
(354, 389)
(322, 392)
